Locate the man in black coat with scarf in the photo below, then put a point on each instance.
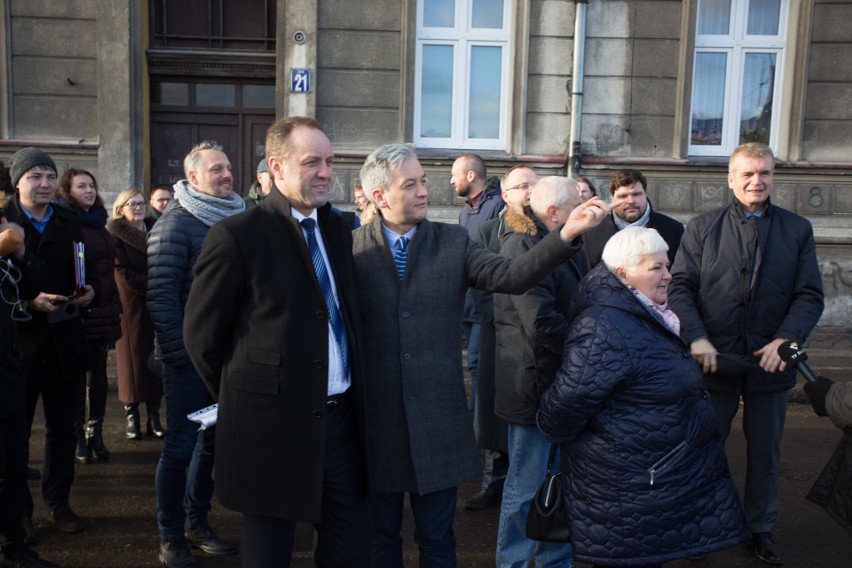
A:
(630, 187)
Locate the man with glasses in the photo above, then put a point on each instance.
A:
(161, 196)
(491, 431)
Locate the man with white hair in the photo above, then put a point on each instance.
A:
(412, 276)
(531, 329)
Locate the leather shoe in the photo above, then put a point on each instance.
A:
(766, 549)
(65, 520)
(176, 554)
(31, 533)
(208, 541)
(487, 497)
(27, 559)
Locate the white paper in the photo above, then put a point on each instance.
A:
(206, 416)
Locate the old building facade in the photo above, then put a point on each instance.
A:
(124, 87)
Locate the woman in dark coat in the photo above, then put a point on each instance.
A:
(136, 383)
(645, 476)
(78, 192)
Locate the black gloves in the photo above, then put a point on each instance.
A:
(817, 392)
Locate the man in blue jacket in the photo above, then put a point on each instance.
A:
(744, 281)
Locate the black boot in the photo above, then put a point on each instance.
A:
(95, 438)
(155, 428)
(82, 455)
(133, 430)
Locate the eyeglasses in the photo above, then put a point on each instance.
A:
(521, 186)
(135, 204)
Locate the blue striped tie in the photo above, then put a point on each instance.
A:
(400, 255)
(334, 316)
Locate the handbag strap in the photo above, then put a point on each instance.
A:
(551, 457)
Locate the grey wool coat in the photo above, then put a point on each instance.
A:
(420, 434)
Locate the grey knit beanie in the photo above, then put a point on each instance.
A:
(25, 160)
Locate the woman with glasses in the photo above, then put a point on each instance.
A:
(136, 382)
(78, 192)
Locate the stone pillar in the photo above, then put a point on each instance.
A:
(120, 126)
(295, 47)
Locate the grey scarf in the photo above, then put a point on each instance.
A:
(206, 208)
(640, 222)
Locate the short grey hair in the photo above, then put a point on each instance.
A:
(627, 247)
(551, 190)
(193, 159)
(377, 170)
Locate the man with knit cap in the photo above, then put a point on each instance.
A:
(51, 345)
(184, 479)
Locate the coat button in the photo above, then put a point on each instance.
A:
(317, 414)
(317, 364)
(409, 396)
(704, 395)
(407, 356)
(319, 314)
(406, 315)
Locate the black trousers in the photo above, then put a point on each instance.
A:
(344, 532)
(60, 402)
(13, 482)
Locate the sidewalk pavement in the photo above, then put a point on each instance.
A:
(116, 501)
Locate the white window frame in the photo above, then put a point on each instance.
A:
(736, 45)
(463, 39)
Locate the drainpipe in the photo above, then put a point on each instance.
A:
(577, 86)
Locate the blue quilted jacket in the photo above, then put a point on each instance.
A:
(174, 244)
(644, 472)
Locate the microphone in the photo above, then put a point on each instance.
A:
(796, 357)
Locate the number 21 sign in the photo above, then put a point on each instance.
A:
(300, 80)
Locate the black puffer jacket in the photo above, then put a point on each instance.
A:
(174, 244)
(713, 295)
(644, 472)
(531, 327)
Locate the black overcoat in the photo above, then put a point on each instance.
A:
(256, 329)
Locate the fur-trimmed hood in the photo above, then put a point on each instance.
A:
(124, 231)
(522, 220)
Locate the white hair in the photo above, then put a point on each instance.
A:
(628, 246)
(377, 170)
(551, 190)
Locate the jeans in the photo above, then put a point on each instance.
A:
(528, 451)
(471, 333)
(434, 514)
(185, 472)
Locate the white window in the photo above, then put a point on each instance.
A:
(736, 82)
(461, 81)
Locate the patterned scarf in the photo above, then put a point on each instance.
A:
(661, 311)
(207, 208)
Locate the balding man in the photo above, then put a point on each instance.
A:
(531, 329)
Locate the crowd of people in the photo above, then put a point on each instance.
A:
(335, 359)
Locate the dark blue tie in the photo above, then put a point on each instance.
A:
(400, 255)
(334, 316)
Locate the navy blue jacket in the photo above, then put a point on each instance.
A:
(174, 244)
(488, 207)
(714, 295)
(644, 473)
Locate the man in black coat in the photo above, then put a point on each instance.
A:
(531, 331)
(52, 345)
(629, 187)
(746, 280)
(16, 271)
(274, 332)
